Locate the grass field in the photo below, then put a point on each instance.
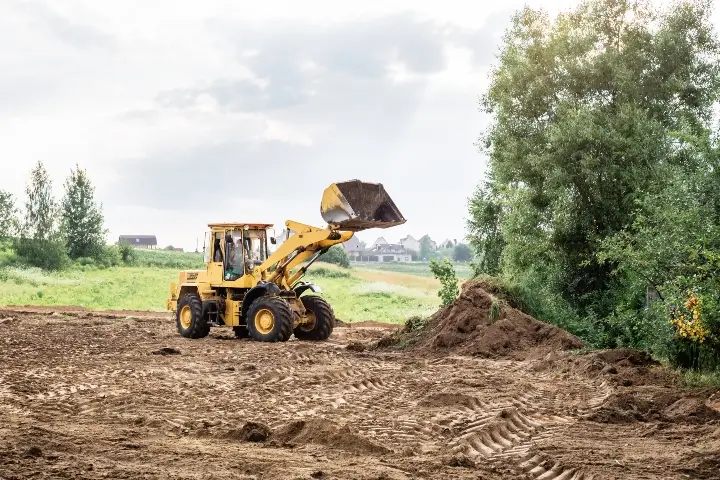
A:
(463, 271)
(355, 294)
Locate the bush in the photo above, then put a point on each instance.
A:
(128, 255)
(445, 272)
(110, 256)
(45, 254)
(327, 273)
(337, 256)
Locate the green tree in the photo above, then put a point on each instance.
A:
(426, 250)
(39, 243)
(336, 255)
(445, 272)
(40, 208)
(462, 253)
(484, 229)
(8, 215)
(582, 109)
(82, 218)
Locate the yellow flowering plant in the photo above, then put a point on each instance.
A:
(689, 322)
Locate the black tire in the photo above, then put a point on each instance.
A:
(280, 322)
(241, 331)
(189, 318)
(324, 319)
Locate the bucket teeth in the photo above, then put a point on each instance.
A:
(355, 205)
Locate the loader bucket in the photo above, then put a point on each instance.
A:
(356, 205)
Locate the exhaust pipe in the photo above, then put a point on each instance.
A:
(355, 205)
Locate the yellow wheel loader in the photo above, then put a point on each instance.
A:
(259, 294)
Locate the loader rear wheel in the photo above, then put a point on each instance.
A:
(189, 318)
(269, 319)
(322, 319)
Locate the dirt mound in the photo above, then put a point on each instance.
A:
(250, 432)
(658, 405)
(626, 367)
(327, 433)
(480, 324)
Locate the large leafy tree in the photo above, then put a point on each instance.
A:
(82, 218)
(583, 112)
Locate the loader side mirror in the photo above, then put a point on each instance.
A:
(273, 241)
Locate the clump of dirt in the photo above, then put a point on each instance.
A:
(166, 351)
(356, 347)
(654, 404)
(626, 367)
(324, 432)
(479, 324)
(250, 432)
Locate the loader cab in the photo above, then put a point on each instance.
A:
(236, 249)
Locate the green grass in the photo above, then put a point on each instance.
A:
(169, 259)
(119, 288)
(462, 270)
(694, 378)
(355, 295)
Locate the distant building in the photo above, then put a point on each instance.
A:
(379, 241)
(380, 252)
(410, 243)
(353, 248)
(431, 242)
(447, 243)
(140, 241)
(282, 236)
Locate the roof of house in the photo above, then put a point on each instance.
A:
(380, 240)
(390, 246)
(409, 237)
(139, 239)
(352, 245)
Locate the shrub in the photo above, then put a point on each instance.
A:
(327, 273)
(110, 256)
(128, 255)
(415, 323)
(336, 255)
(45, 254)
(445, 272)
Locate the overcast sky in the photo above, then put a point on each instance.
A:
(184, 113)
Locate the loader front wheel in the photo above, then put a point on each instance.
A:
(322, 319)
(269, 319)
(189, 318)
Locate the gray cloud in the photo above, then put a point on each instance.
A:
(334, 77)
(40, 14)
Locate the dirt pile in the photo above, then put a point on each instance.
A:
(654, 404)
(480, 324)
(250, 432)
(327, 433)
(623, 367)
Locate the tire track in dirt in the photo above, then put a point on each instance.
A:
(102, 384)
(505, 431)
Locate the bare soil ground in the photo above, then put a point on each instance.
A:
(122, 395)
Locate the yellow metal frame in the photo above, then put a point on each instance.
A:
(305, 243)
